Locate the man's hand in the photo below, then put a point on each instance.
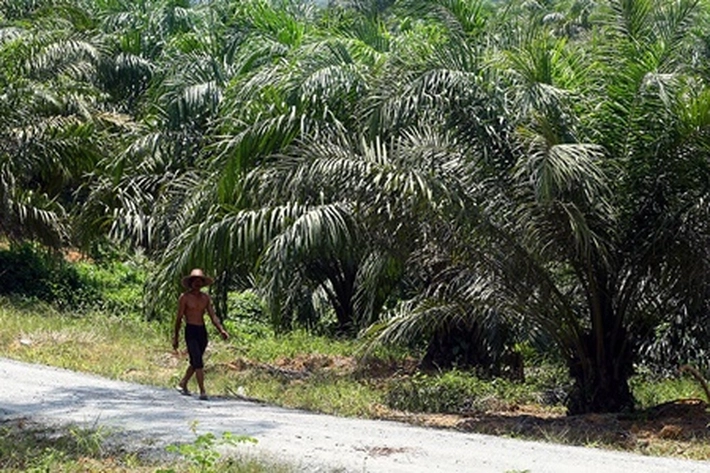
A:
(175, 343)
(224, 334)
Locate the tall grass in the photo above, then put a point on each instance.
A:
(129, 348)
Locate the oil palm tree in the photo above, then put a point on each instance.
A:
(53, 117)
(590, 183)
(302, 87)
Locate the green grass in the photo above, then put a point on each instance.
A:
(650, 392)
(125, 348)
(267, 347)
(28, 447)
(129, 348)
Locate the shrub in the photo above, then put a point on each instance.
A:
(457, 391)
(119, 286)
(452, 391)
(245, 306)
(31, 272)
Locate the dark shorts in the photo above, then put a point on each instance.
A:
(196, 341)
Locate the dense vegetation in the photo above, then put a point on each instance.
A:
(476, 178)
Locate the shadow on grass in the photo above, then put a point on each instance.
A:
(28, 445)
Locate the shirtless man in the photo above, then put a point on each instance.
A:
(192, 306)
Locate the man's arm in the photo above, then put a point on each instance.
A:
(178, 321)
(215, 319)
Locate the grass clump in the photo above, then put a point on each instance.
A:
(28, 447)
(457, 392)
(118, 286)
(650, 390)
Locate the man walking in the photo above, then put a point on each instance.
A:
(192, 306)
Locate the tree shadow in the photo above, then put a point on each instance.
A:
(673, 428)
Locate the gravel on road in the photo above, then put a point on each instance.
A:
(145, 418)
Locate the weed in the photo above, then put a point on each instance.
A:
(25, 446)
(456, 391)
(203, 453)
(651, 391)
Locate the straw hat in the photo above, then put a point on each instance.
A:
(196, 273)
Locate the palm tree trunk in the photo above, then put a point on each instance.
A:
(601, 374)
(341, 291)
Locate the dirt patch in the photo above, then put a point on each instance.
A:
(302, 366)
(680, 428)
(373, 368)
(311, 363)
(73, 255)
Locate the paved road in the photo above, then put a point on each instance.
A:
(149, 418)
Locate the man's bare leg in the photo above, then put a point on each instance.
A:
(200, 375)
(185, 379)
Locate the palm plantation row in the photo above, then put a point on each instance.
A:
(473, 174)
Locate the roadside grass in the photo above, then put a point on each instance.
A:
(117, 347)
(29, 447)
(321, 392)
(302, 370)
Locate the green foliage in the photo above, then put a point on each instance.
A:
(245, 306)
(31, 448)
(202, 452)
(36, 449)
(681, 339)
(455, 392)
(321, 391)
(545, 162)
(139, 351)
(651, 390)
(31, 272)
(248, 323)
(292, 344)
(119, 286)
(34, 273)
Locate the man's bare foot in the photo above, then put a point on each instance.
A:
(203, 397)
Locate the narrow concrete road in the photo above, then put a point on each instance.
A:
(150, 418)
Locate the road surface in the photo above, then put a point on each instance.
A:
(147, 418)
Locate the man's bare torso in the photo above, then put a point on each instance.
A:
(194, 308)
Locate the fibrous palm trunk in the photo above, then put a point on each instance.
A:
(603, 363)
